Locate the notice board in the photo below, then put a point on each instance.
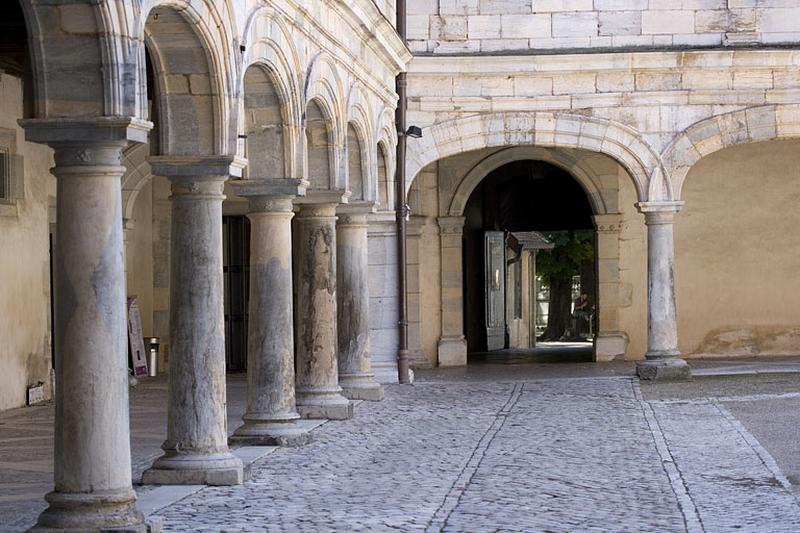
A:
(135, 338)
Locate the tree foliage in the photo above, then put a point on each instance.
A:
(557, 267)
(572, 249)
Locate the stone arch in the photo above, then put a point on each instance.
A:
(324, 89)
(753, 124)
(359, 124)
(136, 177)
(565, 161)
(268, 45)
(269, 137)
(190, 50)
(553, 130)
(385, 156)
(69, 85)
(385, 175)
(358, 162)
(320, 152)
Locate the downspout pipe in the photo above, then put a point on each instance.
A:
(401, 207)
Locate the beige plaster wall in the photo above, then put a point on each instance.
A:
(24, 264)
(424, 270)
(737, 251)
(633, 270)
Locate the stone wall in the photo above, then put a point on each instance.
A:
(25, 338)
(490, 26)
(661, 116)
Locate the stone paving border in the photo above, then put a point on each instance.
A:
(439, 520)
(767, 459)
(688, 509)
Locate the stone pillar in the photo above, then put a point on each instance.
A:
(383, 294)
(196, 449)
(352, 281)
(453, 345)
(610, 343)
(92, 457)
(318, 392)
(271, 417)
(663, 359)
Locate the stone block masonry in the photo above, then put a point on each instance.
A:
(468, 26)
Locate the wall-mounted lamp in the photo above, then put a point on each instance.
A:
(415, 132)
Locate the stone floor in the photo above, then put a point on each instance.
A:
(496, 447)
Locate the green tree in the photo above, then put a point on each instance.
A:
(557, 267)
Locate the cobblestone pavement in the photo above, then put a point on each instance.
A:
(484, 449)
(562, 455)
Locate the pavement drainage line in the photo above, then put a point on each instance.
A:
(439, 519)
(528, 381)
(688, 509)
(713, 399)
(764, 456)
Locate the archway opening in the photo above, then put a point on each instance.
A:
(529, 265)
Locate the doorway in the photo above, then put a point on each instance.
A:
(236, 272)
(529, 261)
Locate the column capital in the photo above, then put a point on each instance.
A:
(195, 166)
(608, 223)
(72, 131)
(359, 207)
(659, 210)
(317, 210)
(270, 195)
(318, 196)
(451, 225)
(354, 214)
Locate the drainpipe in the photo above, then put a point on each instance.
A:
(402, 208)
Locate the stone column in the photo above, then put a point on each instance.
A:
(663, 359)
(271, 417)
(352, 281)
(453, 345)
(318, 392)
(196, 449)
(92, 457)
(610, 343)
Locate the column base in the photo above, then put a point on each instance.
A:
(663, 368)
(361, 387)
(95, 512)
(610, 346)
(385, 372)
(191, 469)
(324, 404)
(453, 351)
(272, 433)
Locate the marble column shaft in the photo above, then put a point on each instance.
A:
(662, 358)
(352, 275)
(271, 417)
(196, 450)
(318, 392)
(92, 466)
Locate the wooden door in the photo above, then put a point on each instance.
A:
(495, 292)
(236, 268)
